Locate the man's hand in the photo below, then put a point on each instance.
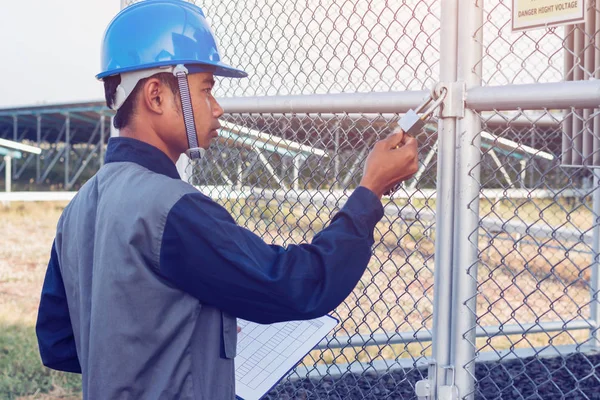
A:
(392, 160)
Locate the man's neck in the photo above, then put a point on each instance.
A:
(150, 137)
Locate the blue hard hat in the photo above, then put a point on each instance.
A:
(156, 33)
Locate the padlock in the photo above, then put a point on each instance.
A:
(412, 123)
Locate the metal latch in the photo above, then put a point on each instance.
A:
(426, 389)
(448, 392)
(454, 98)
(412, 123)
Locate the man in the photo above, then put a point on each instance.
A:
(146, 274)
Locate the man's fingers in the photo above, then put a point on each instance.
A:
(406, 138)
(408, 142)
(408, 148)
(239, 329)
(395, 139)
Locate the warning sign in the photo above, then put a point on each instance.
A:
(531, 14)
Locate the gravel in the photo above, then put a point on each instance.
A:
(570, 377)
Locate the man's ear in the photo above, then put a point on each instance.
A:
(153, 95)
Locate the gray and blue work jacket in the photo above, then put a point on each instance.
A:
(147, 275)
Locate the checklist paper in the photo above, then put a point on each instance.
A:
(266, 353)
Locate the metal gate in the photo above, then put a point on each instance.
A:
(484, 276)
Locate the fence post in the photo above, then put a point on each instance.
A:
(444, 221)
(7, 173)
(16, 139)
(567, 123)
(467, 202)
(38, 167)
(67, 155)
(595, 276)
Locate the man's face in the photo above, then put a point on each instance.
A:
(206, 112)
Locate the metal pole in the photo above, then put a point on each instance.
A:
(534, 96)
(336, 156)
(596, 145)
(530, 162)
(423, 167)
(239, 176)
(372, 102)
(595, 275)
(270, 168)
(16, 128)
(444, 220)
(567, 124)
(577, 149)
(501, 168)
(15, 137)
(463, 324)
(7, 173)
(67, 149)
(356, 163)
(297, 161)
(523, 175)
(588, 139)
(38, 166)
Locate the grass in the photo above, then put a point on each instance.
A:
(22, 372)
(28, 231)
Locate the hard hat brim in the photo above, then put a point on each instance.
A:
(217, 68)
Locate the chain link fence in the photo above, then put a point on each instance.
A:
(518, 57)
(283, 175)
(286, 187)
(292, 172)
(536, 270)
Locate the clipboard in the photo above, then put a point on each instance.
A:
(267, 353)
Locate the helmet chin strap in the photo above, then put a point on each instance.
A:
(194, 152)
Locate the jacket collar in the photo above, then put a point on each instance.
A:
(123, 149)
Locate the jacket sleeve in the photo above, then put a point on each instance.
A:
(54, 331)
(205, 253)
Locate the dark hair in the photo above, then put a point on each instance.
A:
(126, 111)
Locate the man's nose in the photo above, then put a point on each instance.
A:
(217, 109)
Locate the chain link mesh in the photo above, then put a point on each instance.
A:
(523, 57)
(284, 175)
(331, 47)
(287, 187)
(287, 195)
(314, 46)
(536, 259)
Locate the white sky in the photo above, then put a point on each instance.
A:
(50, 50)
